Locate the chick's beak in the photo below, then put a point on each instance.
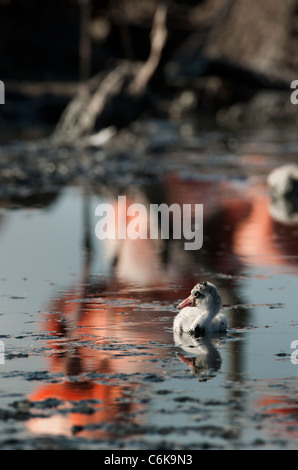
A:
(189, 301)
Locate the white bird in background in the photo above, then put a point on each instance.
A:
(283, 188)
(200, 312)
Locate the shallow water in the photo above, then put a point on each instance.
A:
(90, 358)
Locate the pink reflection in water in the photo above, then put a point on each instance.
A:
(95, 325)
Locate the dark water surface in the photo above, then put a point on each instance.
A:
(90, 359)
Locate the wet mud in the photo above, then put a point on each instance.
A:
(90, 357)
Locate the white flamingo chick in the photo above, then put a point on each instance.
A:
(200, 312)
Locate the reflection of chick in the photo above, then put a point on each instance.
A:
(200, 312)
(207, 359)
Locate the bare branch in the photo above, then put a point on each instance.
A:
(158, 40)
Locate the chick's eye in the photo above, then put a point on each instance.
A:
(198, 295)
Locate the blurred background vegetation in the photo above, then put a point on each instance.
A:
(230, 61)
